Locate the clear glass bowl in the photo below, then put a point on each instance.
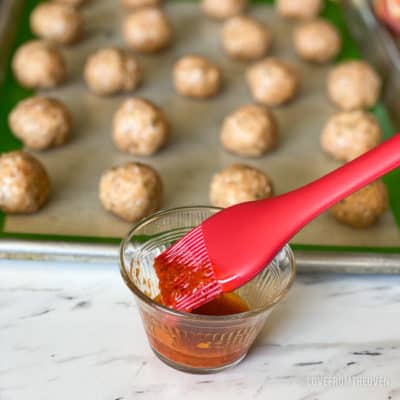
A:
(191, 342)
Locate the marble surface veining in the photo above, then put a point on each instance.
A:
(73, 332)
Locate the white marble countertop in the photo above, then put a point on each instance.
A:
(73, 332)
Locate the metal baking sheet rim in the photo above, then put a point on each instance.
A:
(307, 261)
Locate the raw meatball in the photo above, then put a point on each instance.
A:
(59, 23)
(140, 3)
(24, 183)
(272, 82)
(112, 70)
(147, 30)
(317, 41)
(245, 38)
(354, 84)
(131, 191)
(363, 208)
(299, 9)
(73, 3)
(221, 9)
(140, 127)
(37, 64)
(41, 122)
(237, 184)
(250, 131)
(195, 76)
(349, 134)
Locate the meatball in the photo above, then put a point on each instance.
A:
(140, 127)
(195, 76)
(24, 183)
(245, 38)
(299, 9)
(112, 70)
(272, 82)
(317, 41)
(239, 183)
(363, 208)
(140, 3)
(131, 191)
(59, 23)
(250, 131)
(41, 122)
(73, 3)
(349, 134)
(222, 9)
(353, 85)
(37, 64)
(147, 30)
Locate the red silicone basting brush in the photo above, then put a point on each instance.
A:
(230, 248)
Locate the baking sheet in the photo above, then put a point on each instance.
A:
(194, 153)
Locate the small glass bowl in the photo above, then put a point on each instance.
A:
(192, 342)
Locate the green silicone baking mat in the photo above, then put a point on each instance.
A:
(74, 213)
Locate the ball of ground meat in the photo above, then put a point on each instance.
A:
(349, 134)
(317, 41)
(112, 70)
(59, 23)
(363, 208)
(140, 127)
(73, 3)
(147, 30)
(246, 38)
(250, 131)
(272, 82)
(353, 85)
(237, 184)
(24, 183)
(37, 64)
(223, 9)
(140, 3)
(195, 76)
(41, 122)
(299, 9)
(131, 191)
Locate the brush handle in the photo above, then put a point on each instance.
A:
(243, 239)
(321, 194)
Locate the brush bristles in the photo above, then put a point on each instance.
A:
(186, 274)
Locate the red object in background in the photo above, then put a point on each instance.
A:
(389, 12)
